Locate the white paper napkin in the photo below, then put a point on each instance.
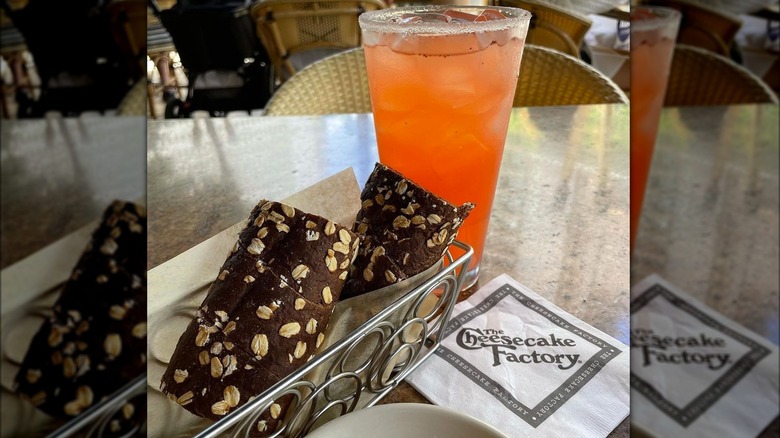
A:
(695, 373)
(523, 365)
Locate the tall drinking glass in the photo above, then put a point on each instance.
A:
(442, 81)
(653, 34)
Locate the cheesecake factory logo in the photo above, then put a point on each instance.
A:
(715, 353)
(505, 348)
(563, 357)
(700, 350)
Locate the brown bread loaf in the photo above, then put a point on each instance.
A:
(405, 229)
(94, 342)
(264, 315)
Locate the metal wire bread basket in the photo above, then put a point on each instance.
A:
(355, 372)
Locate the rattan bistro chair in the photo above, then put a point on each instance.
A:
(552, 26)
(335, 85)
(298, 32)
(135, 101)
(701, 77)
(704, 26)
(339, 84)
(549, 77)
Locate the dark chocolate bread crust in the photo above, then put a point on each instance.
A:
(405, 228)
(265, 314)
(94, 342)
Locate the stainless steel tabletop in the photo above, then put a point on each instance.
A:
(59, 174)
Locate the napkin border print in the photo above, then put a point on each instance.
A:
(686, 415)
(536, 415)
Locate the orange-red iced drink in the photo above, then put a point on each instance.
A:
(442, 82)
(653, 34)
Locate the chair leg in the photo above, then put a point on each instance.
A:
(170, 84)
(150, 99)
(4, 104)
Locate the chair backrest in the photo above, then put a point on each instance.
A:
(339, 84)
(701, 77)
(298, 32)
(702, 26)
(128, 24)
(135, 101)
(552, 26)
(549, 77)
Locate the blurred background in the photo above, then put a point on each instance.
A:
(189, 71)
(72, 140)
(222, 56)
(709, 221)
(72, 58)
(745, 32)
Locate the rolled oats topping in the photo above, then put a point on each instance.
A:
(180, 375)
(261, 329)
(89, 330)
(403, 219)
(290, 329)
(264, 312)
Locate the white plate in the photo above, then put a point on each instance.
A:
(407, 420)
